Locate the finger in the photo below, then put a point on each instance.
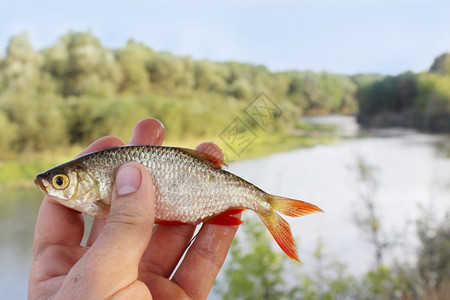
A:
(165, 250)
(205, 257)
(131, 217)
(136, 291)
(211, 149)
(56, 225)
(124, 238)
(148, 131)
(102, 143)
(57, 237)
(168, 241)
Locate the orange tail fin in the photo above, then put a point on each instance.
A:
(281, 232)
(278, 227)
(291, 207)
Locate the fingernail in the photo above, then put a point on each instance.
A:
(128, 180)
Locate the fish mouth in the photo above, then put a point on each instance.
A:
(41, 185)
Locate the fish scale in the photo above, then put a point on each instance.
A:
(179, 180)
(190, 187)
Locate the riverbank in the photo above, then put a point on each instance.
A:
(18, 171)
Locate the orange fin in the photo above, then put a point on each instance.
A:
(281, 231)
(207, 158)
(291, 207)
(226, 218)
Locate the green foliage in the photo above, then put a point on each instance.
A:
(171, 72)
(392, 94)
(37, 122)
(329, 280)
(8, 133)
(380, 283)
(414, 100)
(241, 89)
(77, 90)
(441, 65)
(322, 93)
(432, 105)
(210, 77)
(433, 262)
(134, 61)
(82, 66)
(256, 273)
(21, 67)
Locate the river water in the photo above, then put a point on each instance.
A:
(412, 171)
(411, 168)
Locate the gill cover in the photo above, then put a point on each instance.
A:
(73, 185)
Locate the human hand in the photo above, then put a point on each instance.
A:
(125, 257)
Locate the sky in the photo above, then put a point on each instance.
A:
(338, 36)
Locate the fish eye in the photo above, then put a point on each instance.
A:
(60, 181)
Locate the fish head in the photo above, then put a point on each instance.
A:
(74, 186)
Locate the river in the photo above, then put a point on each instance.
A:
(412, 169)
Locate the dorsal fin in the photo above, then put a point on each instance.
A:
(207, 158)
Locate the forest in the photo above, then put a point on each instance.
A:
(77, 90)
(419, 101)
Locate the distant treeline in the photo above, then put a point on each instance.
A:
(77, 90)
(410, 100)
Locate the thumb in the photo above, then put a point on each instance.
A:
(111, 264)
(129, 225)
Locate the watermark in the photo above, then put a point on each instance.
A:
(263, 111)
(240, 134)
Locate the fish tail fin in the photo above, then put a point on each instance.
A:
(278, 227)
(291, 207)
(281, 232)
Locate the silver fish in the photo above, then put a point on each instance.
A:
(190, 187)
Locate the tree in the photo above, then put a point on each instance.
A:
(210, 76)
(166, 70)
(367, 217)
(241, 89)
(21, 67)
(441, 65)
(134, 61)
(433, 260)
(38, 122)
(83, 66)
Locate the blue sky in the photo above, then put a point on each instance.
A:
(340, 36)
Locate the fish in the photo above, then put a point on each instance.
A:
(191, 187)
